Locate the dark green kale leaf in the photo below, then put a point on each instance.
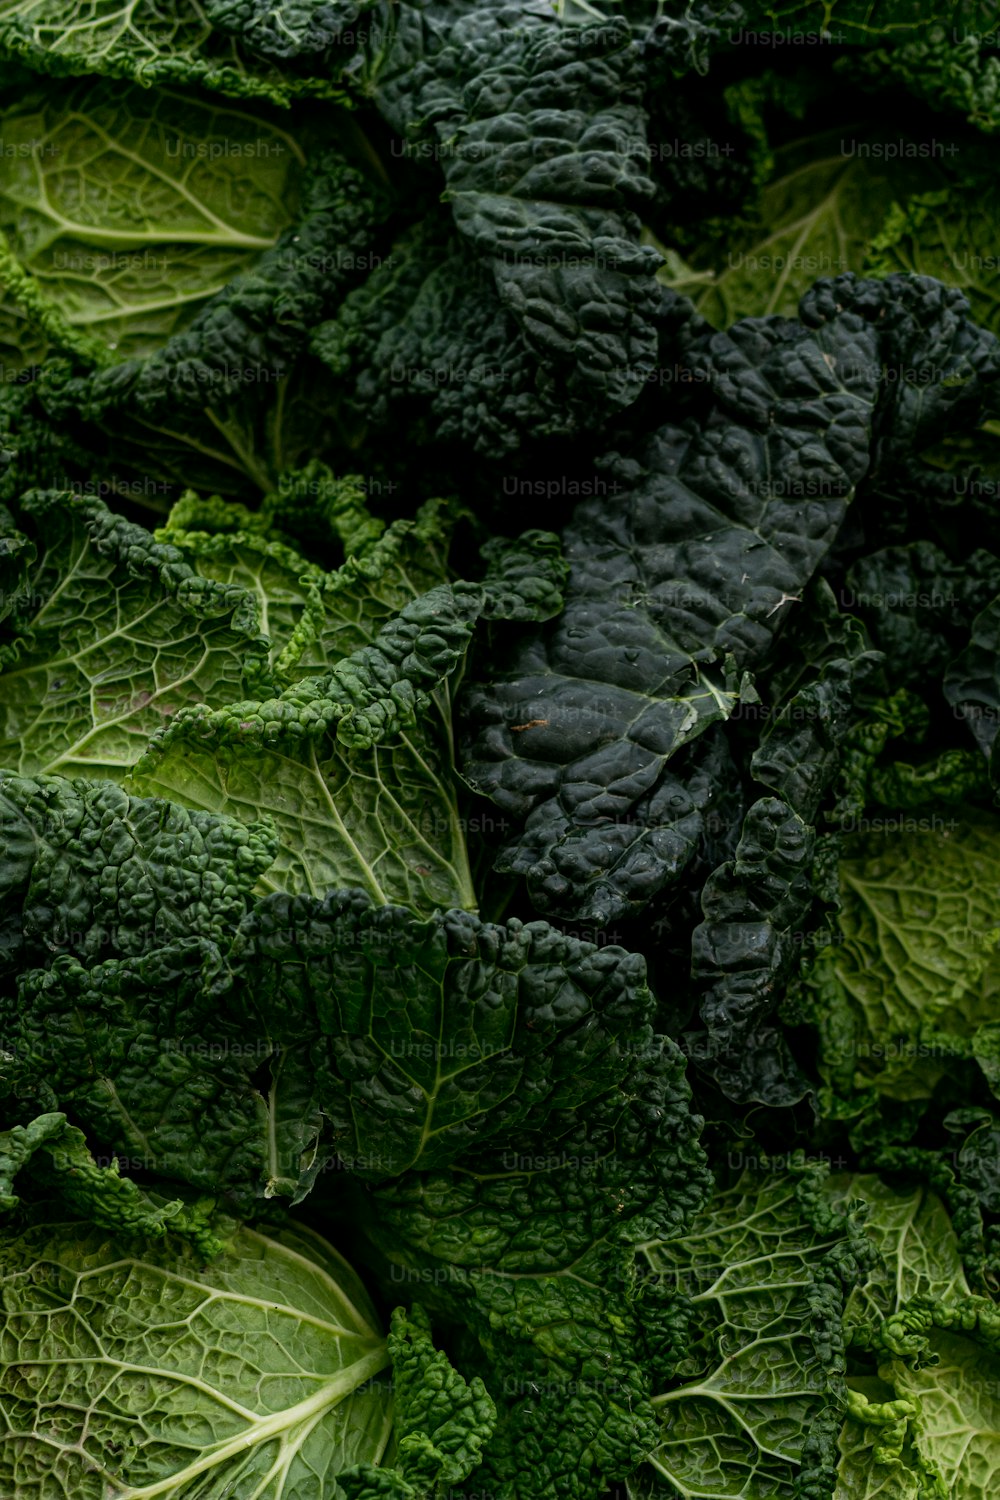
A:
(972, 683)
(538, 129)
(744, 952)
(427, 338)
(681, 582)
(919, 605)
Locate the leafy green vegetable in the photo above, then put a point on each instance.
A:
(912, 971)
(264, 1364)
(59, 1161)
(546, 1281)
(179, 196)
(109, 636)
(553, 219)
(760, 1282)
(499, 589)
(682, 584)
(150, 41)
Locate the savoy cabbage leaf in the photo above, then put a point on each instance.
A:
(354, 766)
(152, 41)
(861, 21)
(135, 209)
(935, 1344)
(752, 1389)
(109, 636)
(257, 939)
(346, 745)
(173, 310)
(264, 1363)
(432, 1037)
(948, 67)
(54, 1157)
(911, 973)
(547, 1282)
(287, 28)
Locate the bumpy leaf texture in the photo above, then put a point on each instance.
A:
(162, 42)
(430, 1038)
(93, 871)
(912, 973)
(182, 351)
(951, 67)
(211, 188)
(53, 1158)
(427, 337)
(263, 1365)
(349, 763)
(109, 635)
(441, 1421)
(746, 949)
(860, 22)
(681, 580)
(532, 1249)
(248, 333)
(748, 1402)
(286, 28)
(538, 129)
(935, 1344)
(972, 685)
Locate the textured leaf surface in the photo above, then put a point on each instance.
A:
(223, 395)
(743, 952)
(435, 1037)
(262, 1367)
(678, 582)
(54, 1157)
(952, 68)
(427, 332)
(161, 41)
(971, 683)
(863, 21)
(441, 1419)
(112, 635)
(914, 970)
(151, 1062)
(546, 1278)
(920, 606)
(951, 1389)
(948, 233)
(314, 618)
(764, 1284)
(286, 28)
(131, 209)
(354, 768)
(823, 204)
(684, 578)
(537, 130)
(88, 867)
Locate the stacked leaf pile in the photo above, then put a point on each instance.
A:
(499, 707)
